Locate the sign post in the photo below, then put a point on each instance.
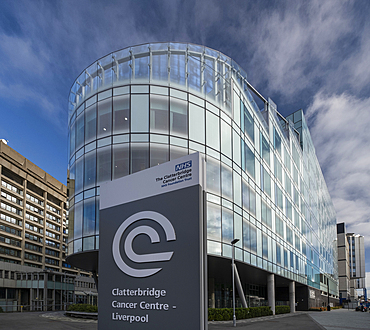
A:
(152, 254)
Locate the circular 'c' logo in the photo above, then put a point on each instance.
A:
(154, 238)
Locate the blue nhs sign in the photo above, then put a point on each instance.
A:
(183, 166)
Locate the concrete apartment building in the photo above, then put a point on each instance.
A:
(351, 263)
(33, 237)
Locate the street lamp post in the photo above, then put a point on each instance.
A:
(235, 240)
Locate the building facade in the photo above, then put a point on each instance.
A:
(145, 105)
(33, 236)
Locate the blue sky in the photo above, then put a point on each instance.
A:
(312, 55)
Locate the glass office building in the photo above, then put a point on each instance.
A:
(144, 105)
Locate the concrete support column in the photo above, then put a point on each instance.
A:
(292, 296)
(271, 291)
(31, 299)
(211, 292)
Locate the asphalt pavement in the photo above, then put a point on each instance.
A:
(341, 319)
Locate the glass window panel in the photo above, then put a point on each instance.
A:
(177, 63)
(77, 245)
(253, 238)
(237, 189)
(265, 149)
(238, 229)
(88, 243)
(278, 170)
(279, 197)
(104, 164)
(279, 226)
(177, 152)
(139, 157)
(78, 221)
(90, 170)
(80, 130)
(160, 67)
(120, 160)
(140, 113)
(289, 235)
(142, 67)
(72, 139)
(90, 124)
(278, 254)
(158, 114)
(227, 226)
(97, 202)
(227, 182)
(248, 123)
(246, 235)
(226, 139)
(89, 217)
(288, 212)
(196, 123)
(277, 141)
(266, 214)
(214, 222)
(178, 117)
(213, 131)
(285, 258)
(104, 117)
(79, 174)
(264, 246)
(248, 160)
(266, 181)
(252, 204)
(121, 114)
(194, 65)
(246, 196)
(213, 176)
(159, 154)
(236, 108)
(288, 184)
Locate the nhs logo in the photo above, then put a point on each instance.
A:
(183, 166)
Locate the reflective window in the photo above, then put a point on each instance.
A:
(159, 114)
(213, 176)
(104, 164)
(90, 170)
(139, 113)
(248, 162)
(278, 254)
(226, 139)
(277, 141)
(227, 226)
(90, 124)
(227, 182)
(265, 181)
(279, 197)
(178, 117)
(247, 122)
(121, 114)
(213, 131)
(265, 149)
(213, 222)
(289, 235)
(279, 226)
(120, 160)
(196, 123)
(266, 214)
(278, 170)
(78, 221)
(89, 217)
(139, 157)
(159, 153)
(265, 249)
(104, 118)
(80, 130)
(79, 174)
(253, 238)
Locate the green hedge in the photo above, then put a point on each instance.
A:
(282, 309)
(226, 314)
(83, 308)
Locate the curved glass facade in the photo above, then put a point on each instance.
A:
(148, 104)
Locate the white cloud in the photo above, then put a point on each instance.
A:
(339, 126)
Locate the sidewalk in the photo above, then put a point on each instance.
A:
(341, 319)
